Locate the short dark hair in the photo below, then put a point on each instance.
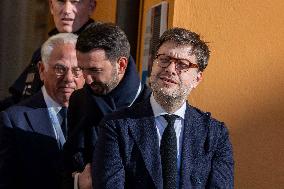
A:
(105, 36)
(181, 36)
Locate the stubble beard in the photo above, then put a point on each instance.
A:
(105, 88)
(169, 99)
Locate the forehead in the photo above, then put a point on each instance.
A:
(65, 52)
(172, 49)
(94, 56)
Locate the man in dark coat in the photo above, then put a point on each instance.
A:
(32, 133)
(163, 142)
(69, 16)
(112, 83)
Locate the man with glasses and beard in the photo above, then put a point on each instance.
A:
(163, 142)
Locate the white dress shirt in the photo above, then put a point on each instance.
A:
(161, 124)
(53, 110)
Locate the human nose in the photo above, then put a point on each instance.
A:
(171, 67)
(69, 77)
(67, 8)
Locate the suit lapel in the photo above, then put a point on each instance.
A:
(188, 146)
(38, 117)
(145, 135)
(40, 122)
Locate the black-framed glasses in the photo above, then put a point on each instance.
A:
(180, 64)
(61, 70)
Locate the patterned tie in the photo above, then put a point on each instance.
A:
(63, 114)
(168, 150)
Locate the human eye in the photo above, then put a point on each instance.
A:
(75, 1)
(77, 71)
(61, 1)
(95, 70)
(182, 65)
(59, 69)
(163, 59)
(92, 70)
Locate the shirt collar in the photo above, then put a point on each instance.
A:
(158, 110)
(50, 103)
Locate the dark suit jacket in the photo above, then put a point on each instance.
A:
(78, 149)
(29, 153)
(127, 154)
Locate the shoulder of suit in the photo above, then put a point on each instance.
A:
(16, 111)
(206, 117)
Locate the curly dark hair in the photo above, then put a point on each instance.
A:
(181, 36)
(105, 36)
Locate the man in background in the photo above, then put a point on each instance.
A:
(69, 17)
(164, 142)
(112, 83)
(33, 132)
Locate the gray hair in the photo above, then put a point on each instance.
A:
(52, 42)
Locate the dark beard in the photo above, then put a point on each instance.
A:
(101, 88)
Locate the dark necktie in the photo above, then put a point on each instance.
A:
(168, 151)
(63, 114)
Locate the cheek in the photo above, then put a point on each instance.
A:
(155, 71)
(79, 82)
(190, 82)
(88, 79)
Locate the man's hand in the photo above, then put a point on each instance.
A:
(85, 178)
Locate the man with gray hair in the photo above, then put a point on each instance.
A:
(33, 132)
(164, 142)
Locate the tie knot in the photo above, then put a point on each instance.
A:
(63, 112)
(170, 118)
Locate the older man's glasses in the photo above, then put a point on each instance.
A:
(181, 65)
(61, 70)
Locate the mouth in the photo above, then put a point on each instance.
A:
(67, 20)
(168, 81)
(66, 89)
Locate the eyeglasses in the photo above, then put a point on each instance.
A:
(180, 64)
(61, 70)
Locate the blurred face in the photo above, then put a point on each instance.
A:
(70, 15)
(62, 75)
(99, 73)
(174, 72)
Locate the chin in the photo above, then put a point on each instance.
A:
(65, 101)
(66, 29)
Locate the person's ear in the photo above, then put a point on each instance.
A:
(199, 78)
(50, 6)
(92, 6)
(122, 65)
(41, 70)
